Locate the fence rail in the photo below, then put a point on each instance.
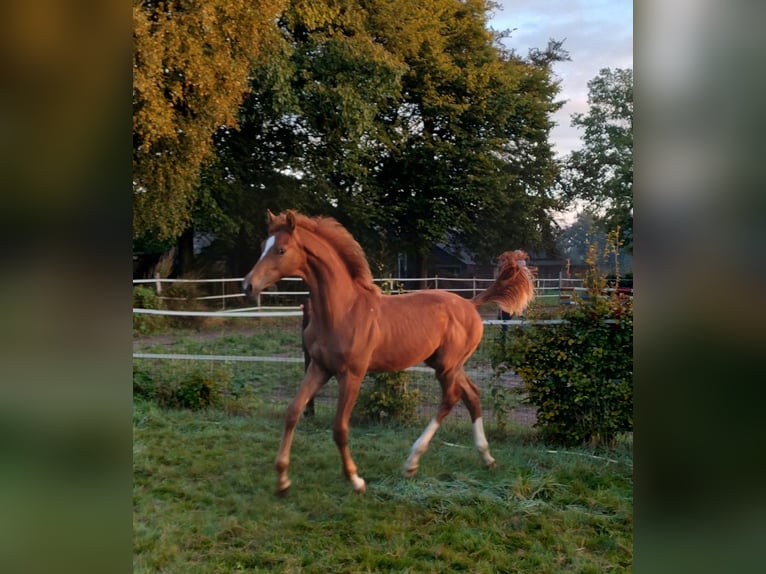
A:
(276, 314)
(227, 314)
(287, 293)
(547, 287)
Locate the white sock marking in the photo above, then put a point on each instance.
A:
(479, 437)
(358, 483)
(420, 446)
(480, 440)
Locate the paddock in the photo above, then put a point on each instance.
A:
(200, 316)
(203, 494)
(272, 366)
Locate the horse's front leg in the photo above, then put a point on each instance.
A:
(313, 380)
(348, 391)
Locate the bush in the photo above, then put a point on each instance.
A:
(578, 375)
(503, 402)
(143, 384)
(146, 298)
(195, 389)
(386, 398)
(185, 297)
(199, 390)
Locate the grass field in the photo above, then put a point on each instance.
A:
(204, 500)
(203, 485)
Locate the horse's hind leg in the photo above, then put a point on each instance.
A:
(419, 447)
(472, 401)
(451, 392)
(313, 380)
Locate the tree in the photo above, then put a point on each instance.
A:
(308, 134)
(575, 239)
(600, 174)
(518, 198)
(405, 120)
(191, 64)
(470, 132)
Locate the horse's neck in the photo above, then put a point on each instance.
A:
(330, 285)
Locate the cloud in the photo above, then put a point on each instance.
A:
(597, 34)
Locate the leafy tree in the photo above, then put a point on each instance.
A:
(518, 194)
(308, 132)
(191, 62)
(574, 240)
(584, 234)
(405, 120)
(601, 173)
(469, 113)
(346, 80)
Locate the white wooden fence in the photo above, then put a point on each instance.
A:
(470, 286)
(557, 287)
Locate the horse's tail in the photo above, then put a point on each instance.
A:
(513, 288)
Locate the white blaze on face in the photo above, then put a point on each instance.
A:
(269, 244)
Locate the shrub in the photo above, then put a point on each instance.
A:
(185, 297)
(194, 389)
(143, 384)
(578, 375)
(386, 398)
(146, 298)
(503, 401)
(199, 390)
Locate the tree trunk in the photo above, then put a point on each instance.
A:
(186, 252)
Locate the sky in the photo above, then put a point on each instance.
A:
(596, 33)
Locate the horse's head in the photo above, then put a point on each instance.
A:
(282, 255)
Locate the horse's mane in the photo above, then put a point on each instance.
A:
(348, 249)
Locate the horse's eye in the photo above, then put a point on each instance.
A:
(281, 251)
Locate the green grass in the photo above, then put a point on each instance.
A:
(204, 500)
(203, 489)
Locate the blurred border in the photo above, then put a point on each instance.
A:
(700, 285)
(65, 231)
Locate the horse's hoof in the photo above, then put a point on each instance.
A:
(492, 465)
(410, 472)
(283, 489)
(358, 483)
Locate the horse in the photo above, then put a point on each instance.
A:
(355, 328)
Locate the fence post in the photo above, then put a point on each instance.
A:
(474, 286)
(436, 280)
(561, 285)
(157, 283)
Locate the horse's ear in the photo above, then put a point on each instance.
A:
(290, 220)
(269, 216)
